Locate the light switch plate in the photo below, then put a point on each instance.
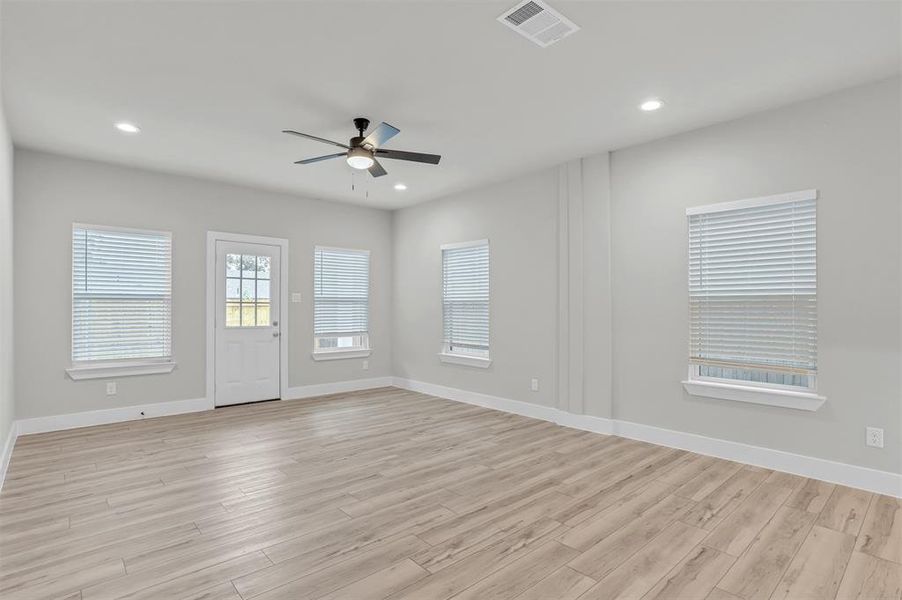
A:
(295, 296)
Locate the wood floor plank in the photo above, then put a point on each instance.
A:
(870, 578)
(818, 567)
(719, 594)
(694, 577)
(595, 529)
(845, 510)
(757, 572)
(464, 573)
(638, 575)
(812, 496)
(723, 500)
(389, 493)
(508, 582)
(735, 532)
(610, 552)
(708, 480)
(881, 532)
(382, 583)
(563, 584)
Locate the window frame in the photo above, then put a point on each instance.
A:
(118, 367)
(361, 350)
(756, 392)
(447, 353)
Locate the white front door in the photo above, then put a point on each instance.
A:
(247, 322)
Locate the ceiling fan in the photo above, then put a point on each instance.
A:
(362, 152)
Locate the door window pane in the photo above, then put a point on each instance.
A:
(262, 314)
(262, 290)
(233, 265)
(262, 267)
(233, 314)
(248, 315)
(248, 266)
(248, 292)
(233, 287)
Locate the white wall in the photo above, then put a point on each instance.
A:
(54, 191)
(600, 242)
(847, 146)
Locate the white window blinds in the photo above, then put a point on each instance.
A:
(121, 294)
(753, 284)
(465, 297)
(341, 285)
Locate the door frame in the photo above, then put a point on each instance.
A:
(282, 243)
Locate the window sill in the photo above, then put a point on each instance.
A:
(123, 369)
(340, 354)
(460, 359)
(744, 393)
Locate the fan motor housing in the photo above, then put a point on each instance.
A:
(361, 124)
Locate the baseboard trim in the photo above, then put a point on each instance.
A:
(110, 415)
(872, 480)
(526, 409)
(338, 387)
(7, 454)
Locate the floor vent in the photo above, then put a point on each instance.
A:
(536, 21)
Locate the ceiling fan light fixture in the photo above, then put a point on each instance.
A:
(360, 158)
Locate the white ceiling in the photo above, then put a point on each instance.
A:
(212, 83)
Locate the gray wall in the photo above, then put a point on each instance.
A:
(847, 146)
(612, 232)
(53, 191)
(519, 219)
(6, 283)
(549, 287)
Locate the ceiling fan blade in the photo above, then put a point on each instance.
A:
(432, 159)
(307, 161)
(380, 135)
(313, 137)
(376, 170)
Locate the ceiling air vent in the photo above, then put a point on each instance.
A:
(535, 20)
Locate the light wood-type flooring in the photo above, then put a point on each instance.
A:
(394, 494)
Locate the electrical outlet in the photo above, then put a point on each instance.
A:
(366, 365)
(111, 388)
(874, 437)
(295, 297)
(534, 384)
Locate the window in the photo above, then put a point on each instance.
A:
(247, 290)
(753, 293)
(465, 303)
(341, 286)
(121, 299)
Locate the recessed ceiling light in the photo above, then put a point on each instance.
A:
(127, 127)
(651, 104)
(400, 186)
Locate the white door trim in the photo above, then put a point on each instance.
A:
(212, 238)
